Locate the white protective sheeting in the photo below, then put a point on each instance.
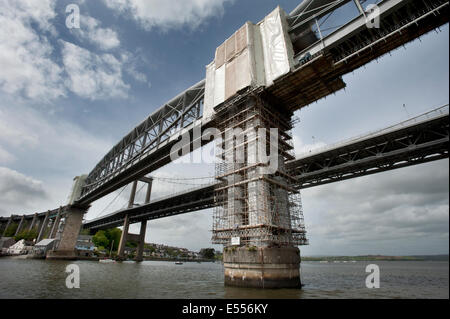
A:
(208, 111)
(277, 48)
(219, 85)
(254, 56)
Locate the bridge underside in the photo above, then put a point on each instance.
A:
(413, 142)
(411, 145)
(353, 46)
(185, 202)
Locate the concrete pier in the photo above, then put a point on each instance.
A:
(56, 224)
(21, 223)
(66, 247)
(140, 247)
(33, 222)
(262, 267)
(7, 225)
(123, 239)
(42, 227)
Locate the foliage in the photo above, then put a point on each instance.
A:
(106, 238)
(11, 230)
(208, 253)
(150, 247)
(28, 235)
(113, 234)
(85, 232)
(100, 239)
(131, 244)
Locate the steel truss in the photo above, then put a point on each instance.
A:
(180, 113)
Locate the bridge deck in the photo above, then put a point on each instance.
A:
(147, 147)
(421, 139)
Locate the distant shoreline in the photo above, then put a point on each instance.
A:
(377, 258)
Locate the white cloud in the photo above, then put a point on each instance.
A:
(25, 56)
(16, 188)
(390, 213)
(169, 14)
(131, 62)
(29, 64)
(93, 76)
(15, 132)
(302, 148)
(5, 157)
(56, 152)
(90, 30)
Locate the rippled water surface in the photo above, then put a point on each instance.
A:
(21, 278)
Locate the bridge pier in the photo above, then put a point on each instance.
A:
(19, 228)
(139, 238)
(7, 226)
(43, 227)
(260, 220)
(141, 242)
(123, 239)
(72, 226)
(33, 222)
(56, 224)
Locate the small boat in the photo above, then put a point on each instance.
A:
(107, 261)
(178, 263)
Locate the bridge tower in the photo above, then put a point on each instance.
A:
(259, 219)
(137, 238)
(73, 219)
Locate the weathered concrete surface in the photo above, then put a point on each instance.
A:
(262, 267)
(69, 236)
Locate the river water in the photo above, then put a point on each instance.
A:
(22, 278)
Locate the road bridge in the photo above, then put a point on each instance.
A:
(421, 139)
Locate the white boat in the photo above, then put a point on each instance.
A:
(107, 261)
(178, 263)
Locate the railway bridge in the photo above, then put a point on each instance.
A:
(257, 79)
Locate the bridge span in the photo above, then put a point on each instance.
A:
(310, 78)
(421, 139)
(258, 78)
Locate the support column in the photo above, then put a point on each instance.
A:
(132, 195)
(43, 227)
(149, 190)
(33, 222)
(56, 224)
(123, 239)
(7, 225)
(73, 222)
(140, 248)
(260, 251)
(19, 228)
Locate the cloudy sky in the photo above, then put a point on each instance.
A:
(68, 95)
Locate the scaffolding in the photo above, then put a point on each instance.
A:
(257, 205)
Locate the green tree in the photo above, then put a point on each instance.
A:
(100, 239)
(11, 230)
(113, 234)
(28, 235)
(207, 253)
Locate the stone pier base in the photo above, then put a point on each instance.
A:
(61, 255)
(66, 246)
(262, 267)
